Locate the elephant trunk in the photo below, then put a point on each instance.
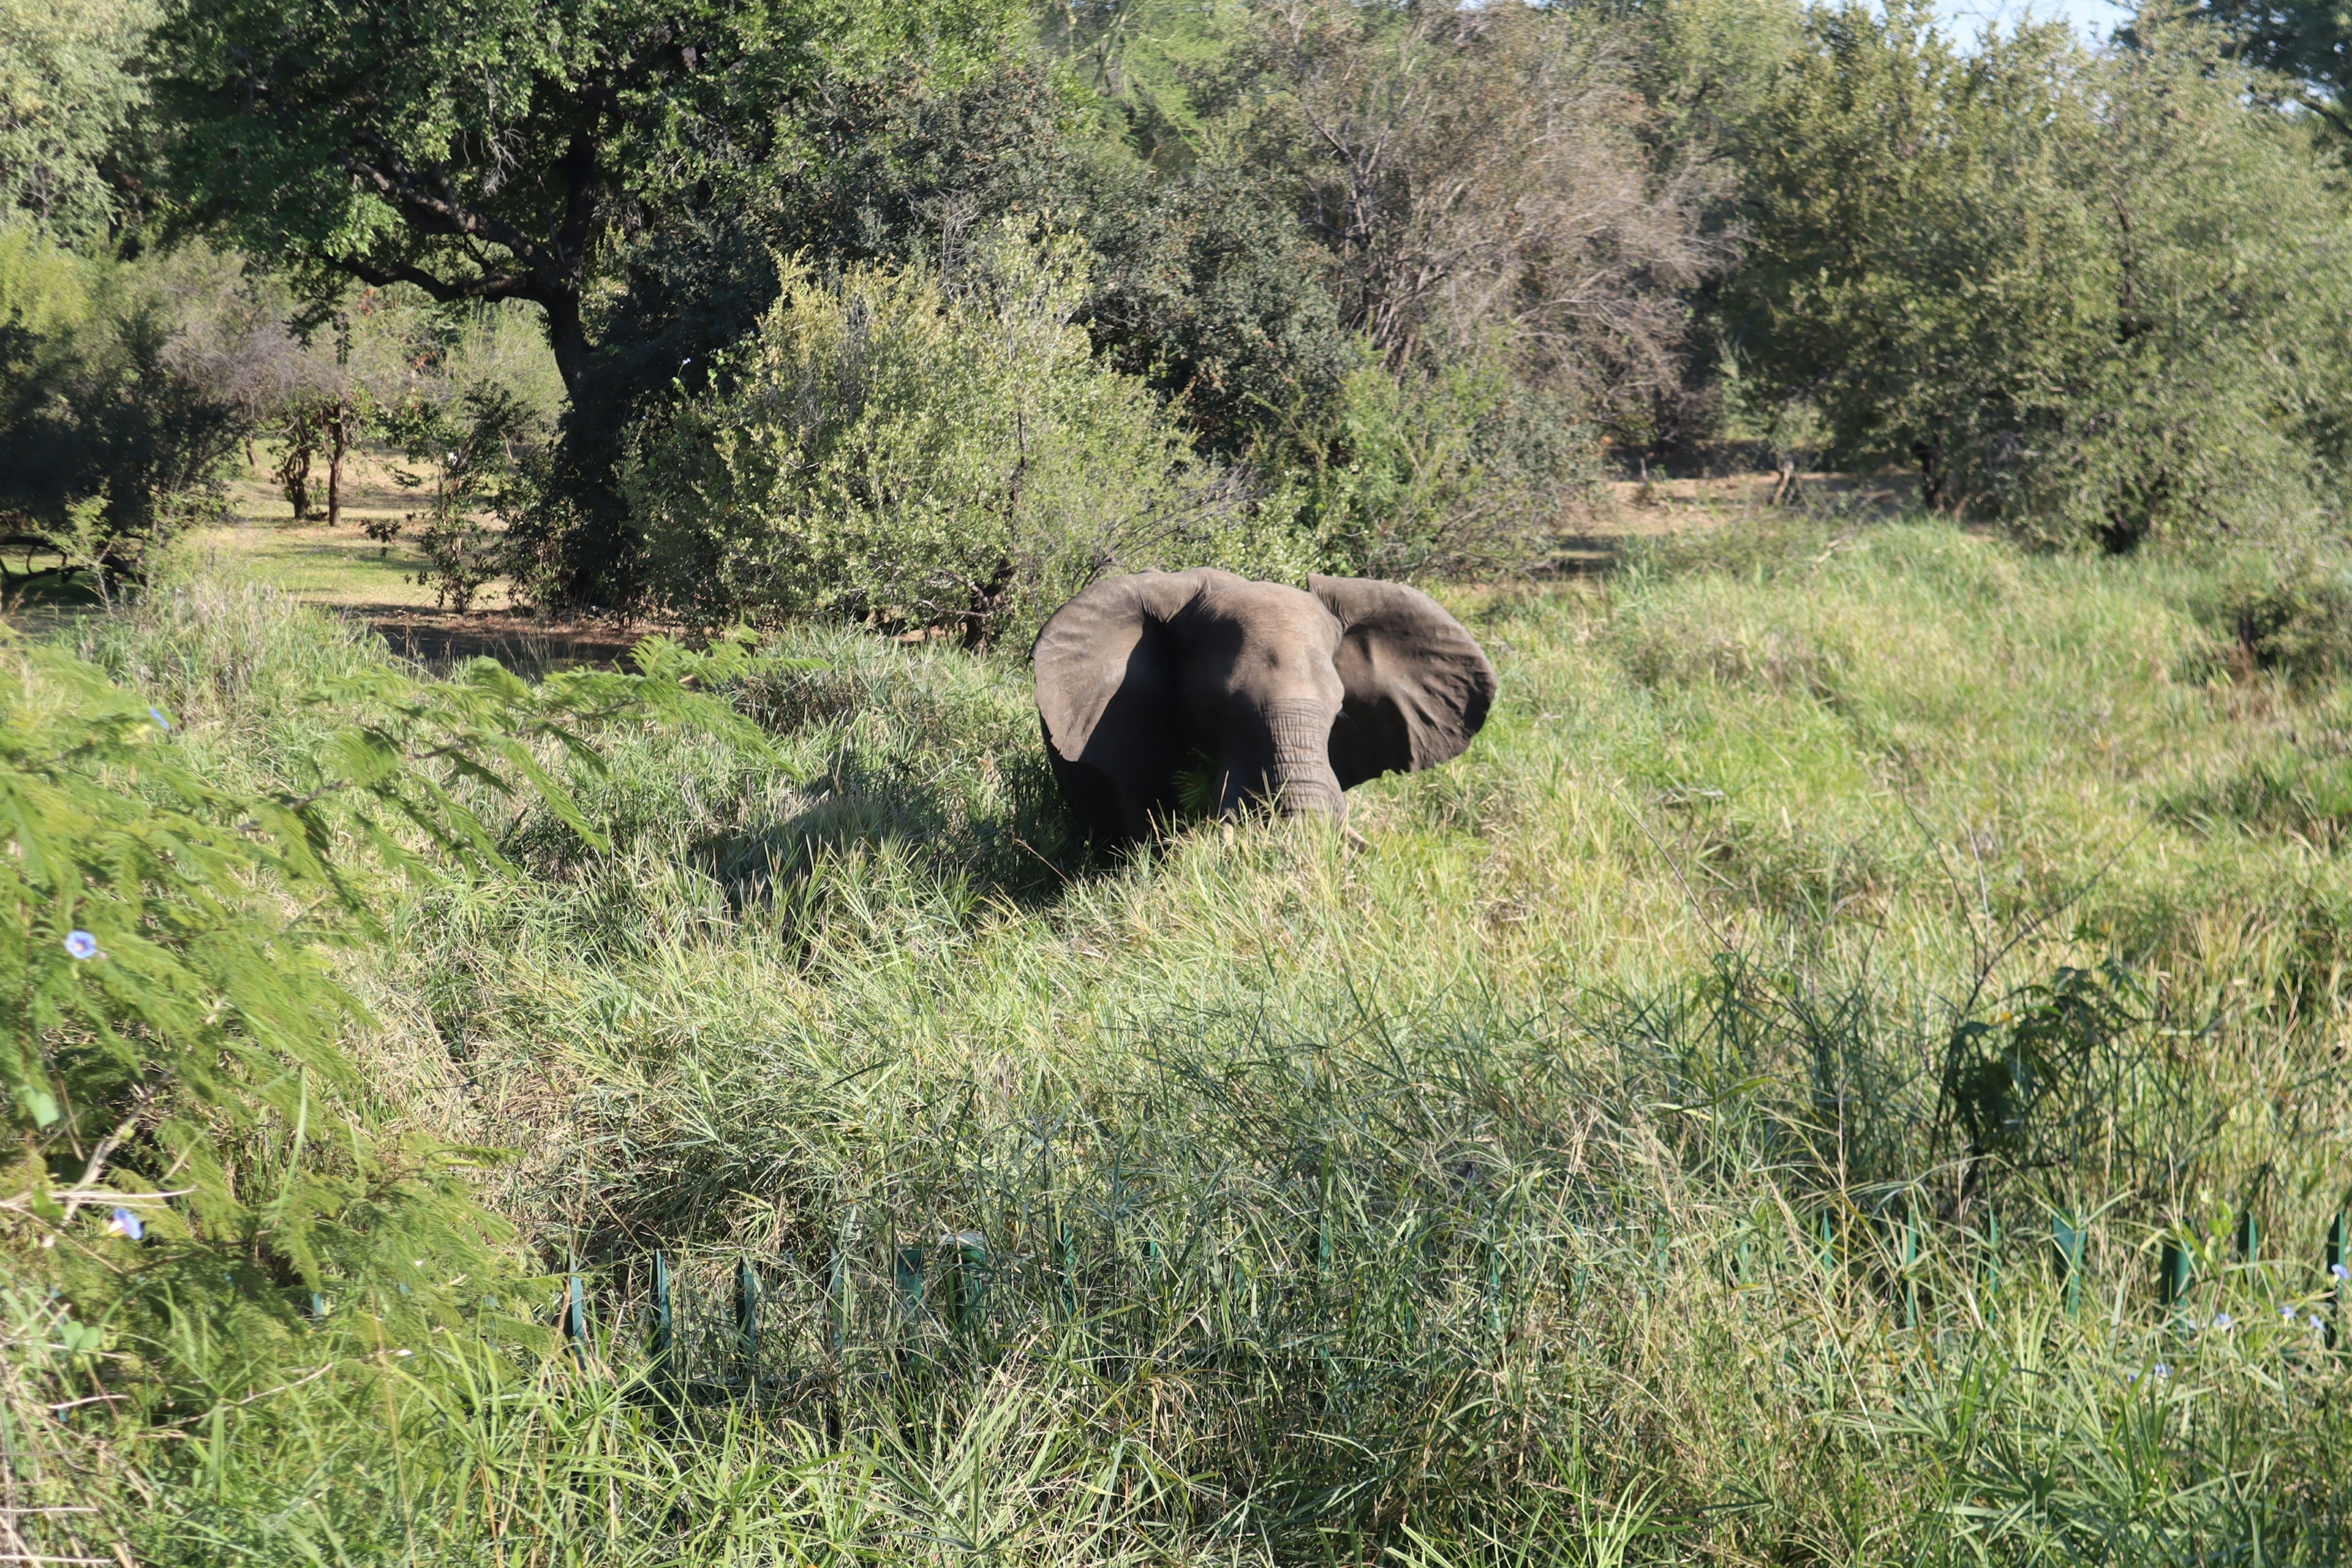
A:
(1299, 776)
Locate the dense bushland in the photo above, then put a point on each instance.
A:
(2091, 295)
(1397, 271)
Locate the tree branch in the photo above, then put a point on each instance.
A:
(432, 203)
(496, 285)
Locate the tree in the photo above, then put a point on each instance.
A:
(496, 151)
(2308, 42)
(1201, 281)
(67, 99)
(331, 384)
(1144, 60)
(1485, 177)
(2102, 296)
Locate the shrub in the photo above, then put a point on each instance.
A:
(198, 1171)
(2290, 612)
(1460, 471)
(491, 457)
(1200, 281)
(118, 407)
(919, 449)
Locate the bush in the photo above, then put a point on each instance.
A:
(1466, 470)
(918, 448)
(2289, 612)
(199, 1170)
(2100, 297)
(119, 395)
(491, 455)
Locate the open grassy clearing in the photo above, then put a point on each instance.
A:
(340, 566)
(1573, 1174)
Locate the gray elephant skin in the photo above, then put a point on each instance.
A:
(1294, 696)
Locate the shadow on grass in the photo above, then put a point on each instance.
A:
(441, 642)
(878, 838)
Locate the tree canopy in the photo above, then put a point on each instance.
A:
(493, 151)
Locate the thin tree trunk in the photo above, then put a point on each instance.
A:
(338, 428)
(293, 472)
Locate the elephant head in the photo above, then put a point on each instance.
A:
(1295, 697)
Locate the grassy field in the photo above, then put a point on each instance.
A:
(1662, 1141)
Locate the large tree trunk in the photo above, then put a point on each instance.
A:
(589, 562)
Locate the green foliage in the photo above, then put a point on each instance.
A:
(1205, 286)
(2291, 612)
(490, 99)
(113, 403)
(488, 452)
(497, 151)
(2028, 1085)
(914, 449)
(198, 1157)
(1201, 283)
(2097, 296)
(1709, 66)
(68, 95)
(1463, 472)
(1484, 180)
(1145, 62)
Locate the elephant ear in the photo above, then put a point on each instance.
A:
(1108, 679)
(1418, 685)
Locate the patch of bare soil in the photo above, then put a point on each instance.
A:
(441, 640)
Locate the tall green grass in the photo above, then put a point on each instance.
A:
(1645, 1149)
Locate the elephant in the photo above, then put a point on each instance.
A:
(1294, 697)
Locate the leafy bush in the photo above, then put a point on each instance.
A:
(2100, 296)
(1461, 472)
(490, 454)
(919, 449)
(119, 402)
(2288, 611)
